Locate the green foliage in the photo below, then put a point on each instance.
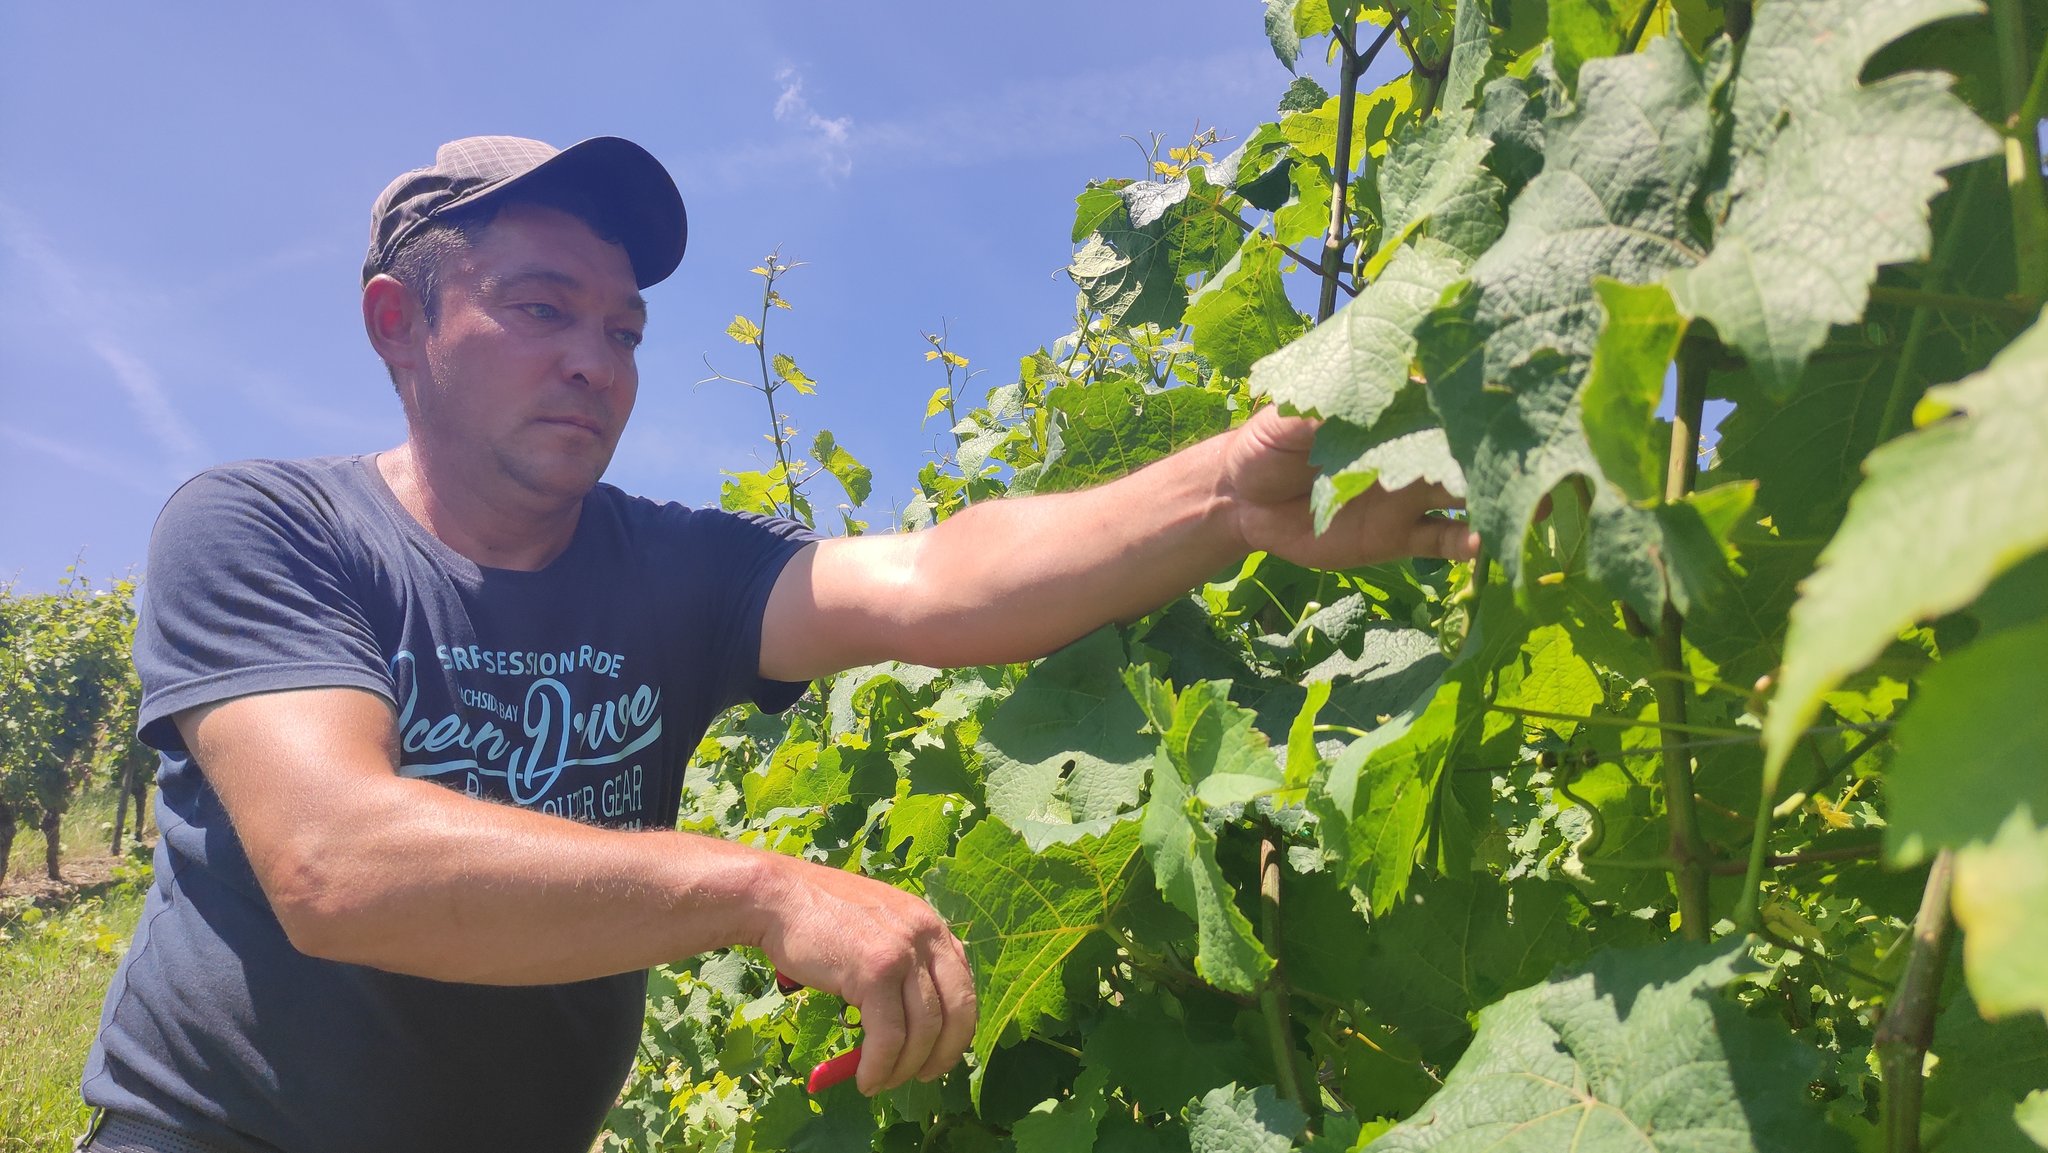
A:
(1022, 912)
(1984, 438)
(54, 971)
(1631, 1053)
(69, 696)
(1830, 178)
(1399, 858)
(779, 488)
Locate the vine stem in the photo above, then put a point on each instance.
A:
(1952, 302)
(1273, 1001)
(2023, 148)
(1810, 857)
(1298, 258)
(1908, 1027)
(1829, 772)
(1163, 970)
(768, 386)
(1622, 722)
(1735, 18)
(1688, 848)
(1634, 35)
(1337, 238)
(1818, 957)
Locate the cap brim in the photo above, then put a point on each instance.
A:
(633, 187)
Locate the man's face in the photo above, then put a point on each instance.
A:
(530, 363)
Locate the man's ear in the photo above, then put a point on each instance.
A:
(395, 322)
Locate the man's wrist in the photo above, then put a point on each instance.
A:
(762, 883)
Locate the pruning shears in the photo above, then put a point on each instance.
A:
(832, 1070)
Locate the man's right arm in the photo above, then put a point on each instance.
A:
(364, 866)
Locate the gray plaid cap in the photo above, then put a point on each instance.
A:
(627, 182)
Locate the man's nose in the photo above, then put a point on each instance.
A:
(592, 358)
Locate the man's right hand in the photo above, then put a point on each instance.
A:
(888, 954)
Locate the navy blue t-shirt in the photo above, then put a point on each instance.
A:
(579, 690)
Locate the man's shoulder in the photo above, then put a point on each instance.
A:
(277, 478)
(640, 515)
(249, 501)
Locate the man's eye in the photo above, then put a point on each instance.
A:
(628, 337)
(540, 311)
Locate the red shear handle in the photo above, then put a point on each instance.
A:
(833, 1070)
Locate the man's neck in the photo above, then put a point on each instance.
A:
(495, 533)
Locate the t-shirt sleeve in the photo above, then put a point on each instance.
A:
(246, 592)
(747, 552)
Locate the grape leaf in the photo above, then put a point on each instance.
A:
(1634, 1052)
(1804, 451)
(1435, 187)
(1582, 30)
(1022, 913)
(1065, 1124)
(1741, 632)
(1353, 365)
(854, 690)
(1323, 937)
(1384, 786)
(1065, 746)
(1507, 364)
(1280, 31)
(2032, 1117)
(1214, 746)
(1817, 205)
(1208, 747)
(1455, 947)
(854, 477)
(1511, 113)
(1314, 131)
(1242, 313)
(2000, 889)
(1625, 383)
(1987, 511)
(1200, 1034)
(1436, 183)
(1380, 801)
(1984, 1069)
(1394, 662)
(1970, 747)
(1134, 268)
(1096, 205)
(1803, 56)
(1549, 676)
(1115, 426)
(1231, 1119)
(1354, 460)
(1471, 52)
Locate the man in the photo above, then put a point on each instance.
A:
(380, 683)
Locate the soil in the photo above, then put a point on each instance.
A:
(83, 876)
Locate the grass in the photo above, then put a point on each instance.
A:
(54, 971)
(87, 830)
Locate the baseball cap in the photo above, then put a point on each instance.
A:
(644, 208)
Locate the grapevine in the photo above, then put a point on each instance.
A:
(1698, 814)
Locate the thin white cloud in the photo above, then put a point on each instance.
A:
(82, 460)
(1044, 114)
(82, 309)
(826, 139)
(152, 404)
(335, 426)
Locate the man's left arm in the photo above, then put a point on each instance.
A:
(1012, 580)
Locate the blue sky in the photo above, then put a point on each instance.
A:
(185, 195)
